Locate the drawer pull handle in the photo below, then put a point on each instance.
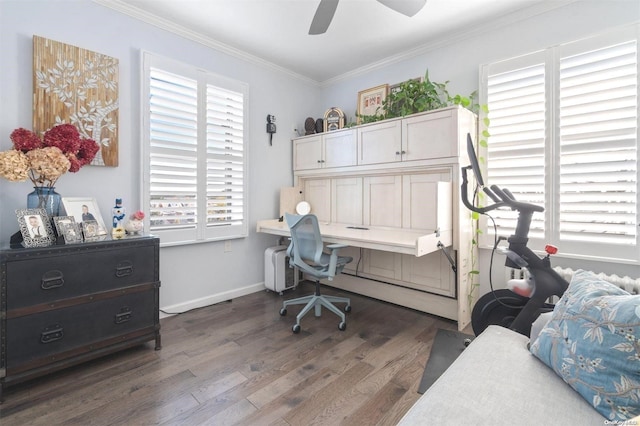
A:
(124, 269)
(51, 334)
(123, 316)
(52, 279)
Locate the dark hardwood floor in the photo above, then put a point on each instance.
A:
(239, 363)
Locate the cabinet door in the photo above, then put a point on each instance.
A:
(424, 203)
(317, 192)
(382, 201)
(307, 153)
(346, 201)
(340, 148)
(380, 142)
(431, 273)
(429, 136)
(383, 264)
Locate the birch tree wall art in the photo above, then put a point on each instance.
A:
(77, 86)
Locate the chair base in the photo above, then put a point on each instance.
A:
(316, 302)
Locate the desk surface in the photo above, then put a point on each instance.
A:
(394, 240)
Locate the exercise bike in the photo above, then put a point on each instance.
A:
(520, 305)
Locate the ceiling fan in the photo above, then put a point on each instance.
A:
(327, 8)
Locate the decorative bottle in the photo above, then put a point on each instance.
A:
(118, 214)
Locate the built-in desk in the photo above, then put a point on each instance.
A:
(401, 179)
(393, 240)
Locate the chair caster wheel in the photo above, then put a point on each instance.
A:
(347, 308)
(342, 326)
(283, 312)
(296, 328)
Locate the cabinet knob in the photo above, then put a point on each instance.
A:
(397, 152)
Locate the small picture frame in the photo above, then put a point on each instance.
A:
(396, 87)
(67, 227)
(370, 101)
(84, 209)
(35, 227)
(91, 230)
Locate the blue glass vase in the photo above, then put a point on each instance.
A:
(45, 197)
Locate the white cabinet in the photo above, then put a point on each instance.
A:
(429, 136)
(346, 200)
(401, 175)
(380, 142)
(418, 137)
(426, 202)
(383, 201)
(332, 149)
(316, 192)
(340, 148)
(307, 153)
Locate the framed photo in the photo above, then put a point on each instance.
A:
(35, 227)
(83, 209)
(396, 87)
(91, 230)
(67, 227)
(370, 100)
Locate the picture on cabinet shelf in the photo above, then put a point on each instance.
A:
(35, 227)
(90, 229)
(84, 209)
(370, 102)
(67, 227)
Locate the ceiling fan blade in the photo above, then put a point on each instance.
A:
(324, 15)
(406, 7)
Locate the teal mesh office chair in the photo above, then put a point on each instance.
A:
(306, 252)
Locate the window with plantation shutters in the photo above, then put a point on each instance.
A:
(194, 153)
(598, 145)
(564, 135)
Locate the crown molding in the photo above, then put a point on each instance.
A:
(453, 37)
(443, 40)
(167, 25)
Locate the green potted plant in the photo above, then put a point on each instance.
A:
(414, 96)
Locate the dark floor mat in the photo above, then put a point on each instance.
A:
(447, 346)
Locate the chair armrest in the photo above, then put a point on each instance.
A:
(336, 246)
(333, 260)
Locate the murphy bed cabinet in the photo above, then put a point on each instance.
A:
(65, 304)
(397, 174)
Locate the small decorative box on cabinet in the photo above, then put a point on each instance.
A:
(63, 305)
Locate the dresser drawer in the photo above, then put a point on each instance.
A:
(52, 333)
(43, 279)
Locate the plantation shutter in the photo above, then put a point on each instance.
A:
(563, 133)
(173, 180)
(225, 157)
(598, 143)
(516, 149)
(194, 153)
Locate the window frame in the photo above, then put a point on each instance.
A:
(201, 232)
(627, 254)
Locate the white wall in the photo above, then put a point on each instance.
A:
(460, 61)
(202, 272)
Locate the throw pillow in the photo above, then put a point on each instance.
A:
(593, 342)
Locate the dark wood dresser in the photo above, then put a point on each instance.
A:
(66, 304)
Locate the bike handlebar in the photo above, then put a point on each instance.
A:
(501, 197)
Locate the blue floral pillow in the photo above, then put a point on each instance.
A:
(593, 342)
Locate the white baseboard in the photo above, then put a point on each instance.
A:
(210, 300)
